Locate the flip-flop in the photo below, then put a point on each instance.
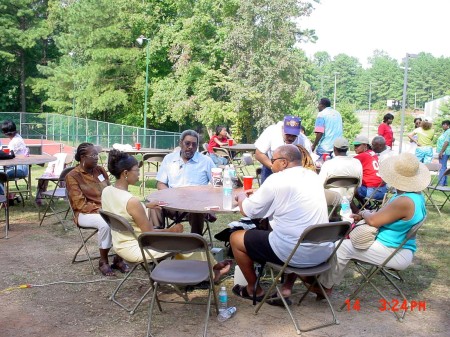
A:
(277, 301)
(106, 270)
(242, 292)
(120, 265)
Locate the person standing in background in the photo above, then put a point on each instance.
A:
(424, 141)
(444, 151)
(285, 132)
(328, 127)
(385, 129)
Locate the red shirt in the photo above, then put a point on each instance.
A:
(212, 142)
(369, 162)
(386, 131)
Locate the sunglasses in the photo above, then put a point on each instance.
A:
(189, 144)
(273, 160)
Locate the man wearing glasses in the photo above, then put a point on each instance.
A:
(274, 136)
(185, 167)
(293, 199)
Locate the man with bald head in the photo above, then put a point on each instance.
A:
(380, 148)
(292, 199)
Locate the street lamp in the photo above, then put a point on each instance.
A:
(140, 40)
(405, 85)
(370, 101)
(334, 101)
(72, 55)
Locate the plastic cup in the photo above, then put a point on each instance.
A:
(216, 173)
(6, 150)
(137, 146)
(248, 182)
(325, 156)
(230, 142)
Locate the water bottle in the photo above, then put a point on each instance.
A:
(223, 300)
(346, 211)
(226, 314)
(227, 189)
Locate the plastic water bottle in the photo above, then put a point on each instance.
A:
(226, 314)
(232, 173)
(227, 189)
(223, 300)
(346, 211)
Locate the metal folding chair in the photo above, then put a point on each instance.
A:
(342, 184)
(58, 193)
(333, 200)
(178, 272)
(4, 202)
(370, 270)
(84, 239)
(151, 161)
(316, 234)
(436, 188)
(120, 224)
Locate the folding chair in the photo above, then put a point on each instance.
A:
(178, 272)
(23, 191)
(327, 232)
(120, 224)
(220, 152)
(370, 270)
(333, 200)
(152, 161)
(342, 184)
(432, 189)
(4, 202)
(51, 197)
(53, 170)
(93, 231)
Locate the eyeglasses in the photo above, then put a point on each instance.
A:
(93, 156)
(273, 160)
(189, 144)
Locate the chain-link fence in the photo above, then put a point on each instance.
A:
(74, 130)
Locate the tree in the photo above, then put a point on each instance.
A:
(23, 45)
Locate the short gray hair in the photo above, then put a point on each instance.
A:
(189, 133)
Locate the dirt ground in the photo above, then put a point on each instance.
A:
(40, 255)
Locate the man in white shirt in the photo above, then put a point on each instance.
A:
(341, 166)
(381, 149)
(284, 132)
(292, 199)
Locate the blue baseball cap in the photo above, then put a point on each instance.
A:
(291, 125)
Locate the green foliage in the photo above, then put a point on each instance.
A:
(352, 125)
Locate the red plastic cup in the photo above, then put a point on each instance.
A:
(6, 150)
(230, 142)
(325, 156)
(137, 146)
(248, 182)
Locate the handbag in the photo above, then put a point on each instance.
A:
(363, 235)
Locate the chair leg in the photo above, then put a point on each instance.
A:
(208, 308)
(150, 310)
(83, 245)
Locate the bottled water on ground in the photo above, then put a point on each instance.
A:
(226, 314)
(346, 211)
(223, 299)
(227, 189)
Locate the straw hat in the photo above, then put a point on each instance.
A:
(405, 173)
(363, 236)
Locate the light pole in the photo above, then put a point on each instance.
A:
(140, 40)
(72, 55)
(370, 101)
(334, 100)
(405, 86)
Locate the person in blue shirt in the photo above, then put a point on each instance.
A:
(328, 127)
(185, 167)
(394, 220)
(443, 150)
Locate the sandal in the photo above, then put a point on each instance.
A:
(277, 301)
(105, 269)
(120, 265)
(242, 292)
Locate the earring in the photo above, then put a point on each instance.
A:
(126, 177)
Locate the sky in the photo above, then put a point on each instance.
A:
(358, 27)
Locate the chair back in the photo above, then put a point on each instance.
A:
(341, 182)
(205, 147)
(116, 222)
(434, 169)
(326, 232)
(153, 158)
(176, 243)
(65, 172)
(54, 168)
(333, 200)
(220, 152)
(69, 159)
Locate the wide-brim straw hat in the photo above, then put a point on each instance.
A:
(405, 173)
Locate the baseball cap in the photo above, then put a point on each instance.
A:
(361, 140)
(291, 125)
(341, 143)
